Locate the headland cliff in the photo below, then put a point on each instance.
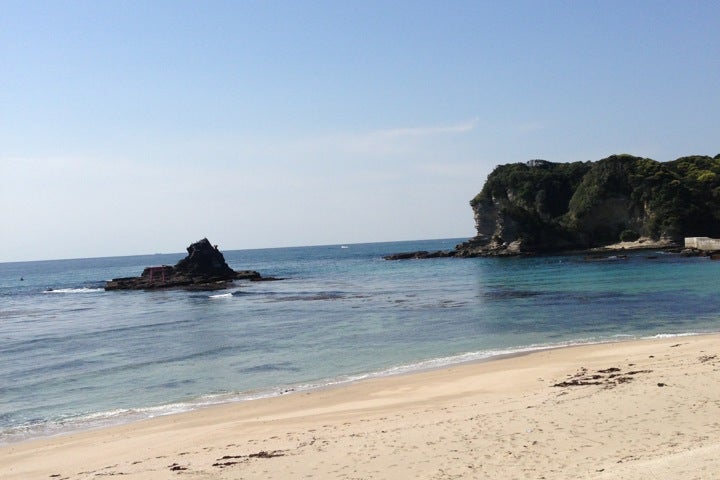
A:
(541, 206)
(545, 207)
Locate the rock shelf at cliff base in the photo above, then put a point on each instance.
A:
(204, 268)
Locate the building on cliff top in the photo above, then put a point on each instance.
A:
(537, 162)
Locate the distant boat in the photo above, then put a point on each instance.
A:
(344, 246)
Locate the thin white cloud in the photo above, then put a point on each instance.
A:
(463, 127)
(346, 146)
(400, 141)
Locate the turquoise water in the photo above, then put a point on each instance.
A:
(73, 356)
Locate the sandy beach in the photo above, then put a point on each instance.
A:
(634, 410)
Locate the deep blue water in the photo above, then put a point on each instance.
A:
(73, 356)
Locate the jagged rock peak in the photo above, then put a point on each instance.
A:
(204, 268)
(204, 259)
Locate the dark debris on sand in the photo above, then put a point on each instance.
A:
(608, 377)
(230, 460)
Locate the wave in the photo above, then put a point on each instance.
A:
(462, 358)
(673, 335)
(74, 290)
(62, 426)
(478, 356)
(221, 295)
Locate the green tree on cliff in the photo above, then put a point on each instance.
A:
(593, 203)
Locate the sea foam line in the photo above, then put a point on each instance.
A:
(672, 335)
(221, 295)
(96, 420)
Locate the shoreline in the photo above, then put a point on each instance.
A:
(128, 416)
(550, 412)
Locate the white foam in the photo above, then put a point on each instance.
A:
(440, 362)
(75, 290)
(221, 295)
(672, 335)
(89, 421)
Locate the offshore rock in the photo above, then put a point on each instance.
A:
(475, 247)
(204, 259)
(420, 254)
(481, 246)
(204, 268)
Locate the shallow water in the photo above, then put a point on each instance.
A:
(73, 356)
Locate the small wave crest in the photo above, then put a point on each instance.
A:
(672, 335)
(221, 295)
(66, 425)
(74, 290)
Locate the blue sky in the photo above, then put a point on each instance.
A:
(138, 127)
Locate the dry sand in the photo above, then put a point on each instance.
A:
(637, 410)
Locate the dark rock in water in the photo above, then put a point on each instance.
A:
(421, 254)
(605, 258)
(203, 269)
(263, 279)
(204, 259)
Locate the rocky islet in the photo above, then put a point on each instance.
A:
(204, 268)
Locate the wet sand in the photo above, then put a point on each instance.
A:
(634, 410)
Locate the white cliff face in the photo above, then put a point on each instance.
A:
(497, 231)
(495, 222)
(486, 220)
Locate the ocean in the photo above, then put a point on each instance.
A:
(74, 357)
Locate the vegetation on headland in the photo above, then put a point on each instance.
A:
(544, 206)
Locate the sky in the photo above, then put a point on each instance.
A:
(134, 127)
